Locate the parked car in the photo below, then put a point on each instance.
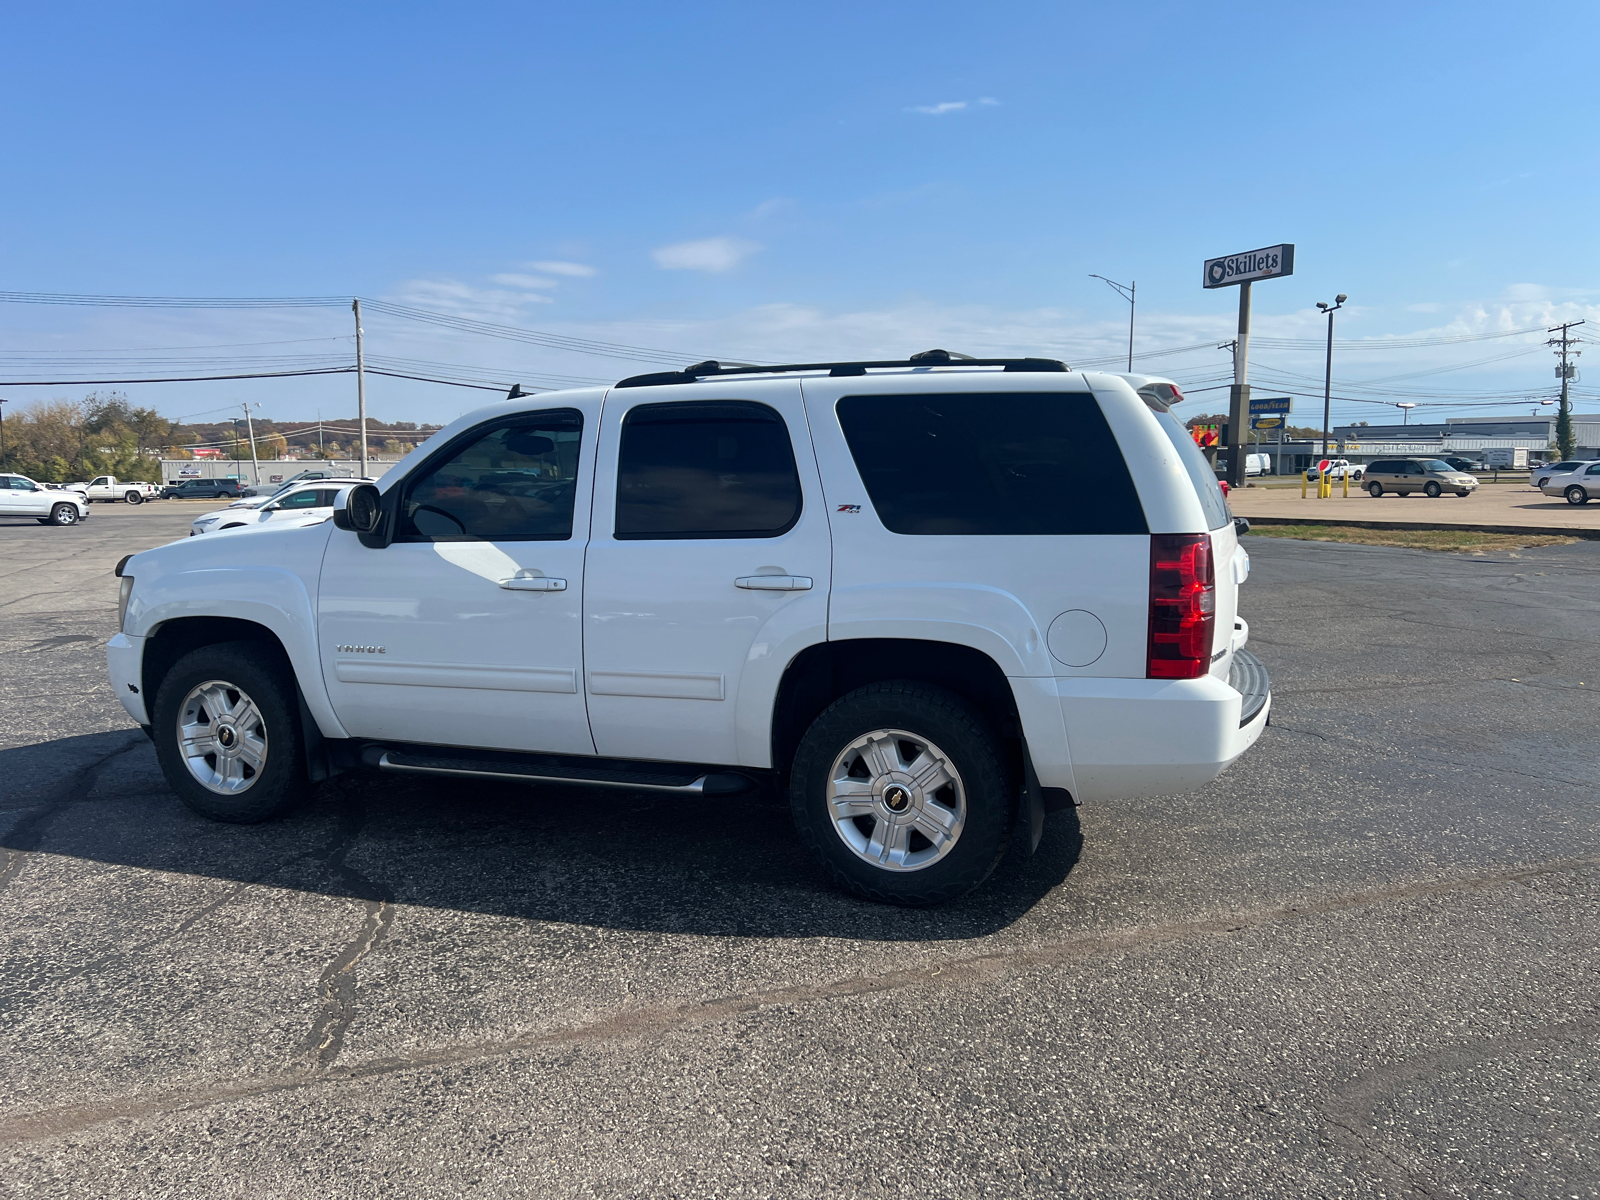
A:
(203, 489)
(303, 503)
(1579, 483)
(933, 604)
(1460, 464)
(1431, 476)
(1545, 472)
(108, 489)
(22, 497)
(269, 489)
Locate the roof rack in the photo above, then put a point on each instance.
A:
(928, 358)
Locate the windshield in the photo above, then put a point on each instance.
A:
(1437, 464)
(1200, 472)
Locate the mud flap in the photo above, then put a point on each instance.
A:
(1032, 803)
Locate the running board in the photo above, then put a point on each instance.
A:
(720, 783)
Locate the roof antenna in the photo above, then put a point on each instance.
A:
(516, 392)
(938, 357)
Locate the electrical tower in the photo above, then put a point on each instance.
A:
(1566, 444)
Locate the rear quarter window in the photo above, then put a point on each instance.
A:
(991, 463)
(1200, 472)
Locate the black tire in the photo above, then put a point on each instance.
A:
(1432, 489)
(1374, 489)
(63, 514)
(134, 498)
(257, 671)
(944, 720)
(220, 496)
(1576, 495)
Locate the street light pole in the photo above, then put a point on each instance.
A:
(1327, 377)
(1129, 293)
(255, 463)
(361, 387)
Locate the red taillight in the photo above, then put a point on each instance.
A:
(1183, 606)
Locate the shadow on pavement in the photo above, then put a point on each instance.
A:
(728, 867)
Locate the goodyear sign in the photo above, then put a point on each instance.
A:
(1266, 263)
(1265, 422)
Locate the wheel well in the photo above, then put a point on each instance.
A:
(173, 639)
(820, 674)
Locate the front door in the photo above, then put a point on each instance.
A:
(707, 573)
(466, 630)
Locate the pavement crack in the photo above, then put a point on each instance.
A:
(337, 985)
(634, 1024)
(28, 834)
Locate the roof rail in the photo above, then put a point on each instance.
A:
(710, 369)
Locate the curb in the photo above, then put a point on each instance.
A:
(1592, 535)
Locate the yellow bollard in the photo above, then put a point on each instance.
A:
(1347, 484)
(1305, 477)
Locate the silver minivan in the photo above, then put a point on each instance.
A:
(1430, 476)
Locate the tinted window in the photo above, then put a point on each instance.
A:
(991, 463)
(512, 482)
(1212, 502)
(705, 470)
(1594, 470)
(1436, 464)
(305, 499)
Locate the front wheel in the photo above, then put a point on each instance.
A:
(1433, 490)
(900, 791)
(227, 735)
(1374, 490)
(1576, 495)
(64, 514)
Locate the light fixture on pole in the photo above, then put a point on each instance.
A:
(1405, 406)
(1327, 376)
(1127, 292)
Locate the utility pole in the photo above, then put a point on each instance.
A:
(2, 435)
(1128, 292)
(255, 463)
(361, 387)
(1566, 444)
(1327, 375)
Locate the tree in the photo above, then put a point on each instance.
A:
(273, 445)
(1566, 442)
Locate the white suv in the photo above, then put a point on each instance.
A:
(22, 497)
(933, 597)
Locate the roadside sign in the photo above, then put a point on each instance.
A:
(1265, 422)
(1271, 404)
(1322, 464)
(1266, 263)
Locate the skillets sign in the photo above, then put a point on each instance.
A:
(1266, 263)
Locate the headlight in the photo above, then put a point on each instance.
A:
(122, 602)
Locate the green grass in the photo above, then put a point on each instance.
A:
(1459, 540)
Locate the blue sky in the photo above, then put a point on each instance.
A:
(799, 181)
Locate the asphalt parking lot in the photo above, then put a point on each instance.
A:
(1363, 963)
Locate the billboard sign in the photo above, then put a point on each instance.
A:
(1271, 405)
(1265, 422)
(1266, 263)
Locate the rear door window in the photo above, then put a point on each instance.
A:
(705, 469)
(991, 463)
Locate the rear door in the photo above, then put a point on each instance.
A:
(707, 571)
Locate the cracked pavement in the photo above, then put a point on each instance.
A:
(1362, 963)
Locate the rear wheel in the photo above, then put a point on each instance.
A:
(134, 498)
(64, 514)
(1433, 490)
(900, 791)
(227, 733)
(1576, 495)
(1374, 490)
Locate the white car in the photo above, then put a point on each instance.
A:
(301, 504)
(22, 497)
(934, 598)
(1338, 468)
(1579, 482)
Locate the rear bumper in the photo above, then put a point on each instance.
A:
(1150, 737)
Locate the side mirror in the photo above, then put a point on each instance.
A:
(362, 511)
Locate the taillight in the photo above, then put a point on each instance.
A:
(1183, 606)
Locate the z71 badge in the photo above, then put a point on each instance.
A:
(850, 508)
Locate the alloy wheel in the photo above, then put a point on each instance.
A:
(222, 737)
(896, 800)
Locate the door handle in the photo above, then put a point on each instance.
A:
(774, 583)
(533, 583)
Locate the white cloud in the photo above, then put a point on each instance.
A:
(708, 254)
(989, 101)
(938, 110)
(524, 281)
(576, 269)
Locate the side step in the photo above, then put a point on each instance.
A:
(719, 783)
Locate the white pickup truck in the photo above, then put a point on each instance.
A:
(109, 489)
(933, 598)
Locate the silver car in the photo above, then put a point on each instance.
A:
(1578, 482)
